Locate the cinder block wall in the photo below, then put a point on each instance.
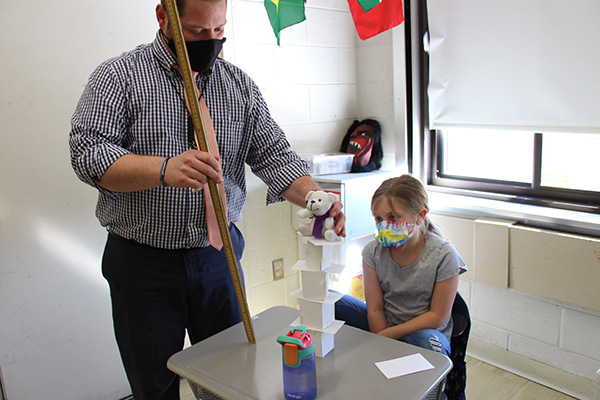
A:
(535, 307)
(316, 83)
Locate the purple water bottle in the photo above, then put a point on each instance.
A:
(299, 368)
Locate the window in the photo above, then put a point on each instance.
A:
(510, 156)
(552, 169)
(571, 162)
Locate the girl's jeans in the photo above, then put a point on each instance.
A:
(354, 312)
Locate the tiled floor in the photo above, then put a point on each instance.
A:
(484, 381)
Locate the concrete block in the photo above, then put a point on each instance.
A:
(489, 334)
(580, 333)
(516, 312)
(564, 360)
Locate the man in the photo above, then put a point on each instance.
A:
(133, 139)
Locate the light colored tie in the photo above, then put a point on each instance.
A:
(214, 235)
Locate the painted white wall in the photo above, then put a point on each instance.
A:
(56, 338)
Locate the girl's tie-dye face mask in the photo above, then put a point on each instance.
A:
(393, 234)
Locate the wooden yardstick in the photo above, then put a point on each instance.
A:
(190, 88)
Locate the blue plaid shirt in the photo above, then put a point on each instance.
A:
(134, 104)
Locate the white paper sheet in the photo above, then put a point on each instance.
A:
(404, 365)
(332, 269)
(333, 328)
(331, 298)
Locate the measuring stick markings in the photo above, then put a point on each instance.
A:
(215, 194)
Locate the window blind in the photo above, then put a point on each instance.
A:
(530, 65)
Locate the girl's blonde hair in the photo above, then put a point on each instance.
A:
(411, 193)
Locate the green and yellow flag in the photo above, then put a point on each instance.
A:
(284, 13)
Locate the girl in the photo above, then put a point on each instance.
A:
(410, 273)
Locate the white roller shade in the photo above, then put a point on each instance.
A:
(529, 65)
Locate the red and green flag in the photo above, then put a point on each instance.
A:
(371, 17)
(284, 13)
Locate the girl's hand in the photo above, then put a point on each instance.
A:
(386, 332)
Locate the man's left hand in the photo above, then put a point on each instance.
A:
(339, 218)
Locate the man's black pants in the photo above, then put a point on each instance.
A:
(157, 295)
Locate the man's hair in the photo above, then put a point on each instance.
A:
(181, 4)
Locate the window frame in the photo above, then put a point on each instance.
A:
(534, 193)
(427, 160)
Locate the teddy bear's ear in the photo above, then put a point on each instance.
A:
(333, 197)
(310, 193)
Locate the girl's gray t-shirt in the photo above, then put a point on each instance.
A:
(407, 291)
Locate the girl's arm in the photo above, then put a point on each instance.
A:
(441, 306)
(374, 298)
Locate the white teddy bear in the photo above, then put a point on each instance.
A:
(315, 219)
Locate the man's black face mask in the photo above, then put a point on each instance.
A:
(202, 53)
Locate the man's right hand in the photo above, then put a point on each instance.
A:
(192, 168)
(133, 172)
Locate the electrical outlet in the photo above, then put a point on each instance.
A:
(278, 269)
